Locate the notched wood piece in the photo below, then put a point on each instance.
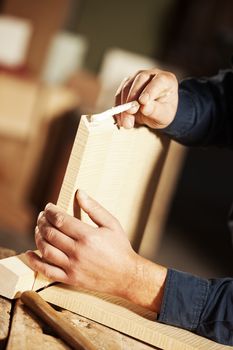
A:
(5, 309)
(16, 276)
(5, 305)
(27, 332)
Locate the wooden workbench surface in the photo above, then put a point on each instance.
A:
(20, 329)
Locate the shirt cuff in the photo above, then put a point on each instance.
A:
(184, 118)
(184, 298)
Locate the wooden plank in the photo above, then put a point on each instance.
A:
(5, 309)
(5, 306)
(127, 318)
(104, 337)
(104, 161)
(27, 332)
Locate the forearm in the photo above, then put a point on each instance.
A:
(205, 112)
(147, 282)
(200, 305)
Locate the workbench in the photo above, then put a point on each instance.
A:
(20, 329)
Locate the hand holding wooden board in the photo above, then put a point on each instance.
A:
(120, 169)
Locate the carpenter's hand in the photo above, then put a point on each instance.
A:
(157, 94)
(96, 258)
(76, 253)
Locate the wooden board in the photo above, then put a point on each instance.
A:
(27, 332)
(119, 168)
(127, 318)
(5, 309)
(30, 333)
(5, 306)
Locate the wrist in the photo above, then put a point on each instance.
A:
(146, 286)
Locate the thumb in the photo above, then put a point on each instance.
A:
(95, 211)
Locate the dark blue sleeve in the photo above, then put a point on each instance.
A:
(199, 305)
(205, 112)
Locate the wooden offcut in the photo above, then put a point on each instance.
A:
(128, 318)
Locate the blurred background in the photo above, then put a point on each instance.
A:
(61, 58)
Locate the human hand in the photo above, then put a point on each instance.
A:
(96, 258)
(157, 94)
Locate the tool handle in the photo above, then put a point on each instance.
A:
(71, 335)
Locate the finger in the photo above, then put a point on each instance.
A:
(118, 92)
(96, 212)
(155, 115)
(118, 99)
(121, 97)
(127, 120)
(136, 87)
(50, 253)
(67, 224)
(139, 84)
(56, 238)
(50, 271)
(160, 86)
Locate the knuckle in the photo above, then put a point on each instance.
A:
(114, 223)
(48, 233)
(43, 248)
(47, 273)
(59, 219)
(143, 76)
(74, 252)
(44, 251)
(93, 207)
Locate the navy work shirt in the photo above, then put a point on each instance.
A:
(204, 117)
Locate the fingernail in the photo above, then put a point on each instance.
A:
(49, 205)
(134, 109)
(82, 195)
(40, 215)
(148, 109)
(144, 98)
(128, 123)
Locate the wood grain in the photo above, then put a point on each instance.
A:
(53, 319)
(119, 168)
(27, 332)
(5, 305)
(127, 318)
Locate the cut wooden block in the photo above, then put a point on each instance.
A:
(16, 276)
(127, 318)
(120, 168)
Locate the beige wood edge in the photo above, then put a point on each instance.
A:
(127, 318)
